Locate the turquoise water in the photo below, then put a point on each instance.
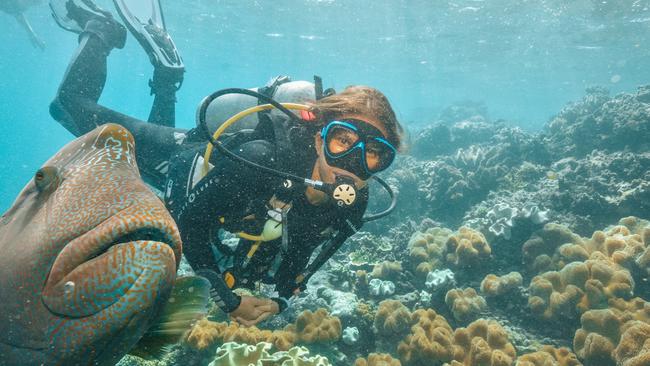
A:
(523, 59)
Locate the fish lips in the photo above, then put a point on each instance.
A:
(95, 270)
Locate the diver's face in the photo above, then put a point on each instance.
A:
(341, 141)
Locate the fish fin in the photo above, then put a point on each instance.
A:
(187, 303)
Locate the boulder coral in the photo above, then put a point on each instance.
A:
(465, 304)
(483, 342)
(377, 359)
(318, 326)
(493, 285)
(578, 287)
(387, 270)
(549, 356)
(467, 248)
(538, 251)
(430, 340)
(602, 338)
(392, 319)
(427, 249)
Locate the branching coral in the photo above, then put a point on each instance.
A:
(465, 304)
(377, 359)
(493, 285)
(549, 356)
(483, 342)
(578, 287)
(467, 248)
(430, 340)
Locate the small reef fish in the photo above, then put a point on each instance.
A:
(88, 259)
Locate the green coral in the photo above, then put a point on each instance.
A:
(235, 354)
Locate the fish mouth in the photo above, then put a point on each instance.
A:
(98, 268)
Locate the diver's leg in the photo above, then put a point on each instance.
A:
(75, 105)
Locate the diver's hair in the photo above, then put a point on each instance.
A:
(364, 101)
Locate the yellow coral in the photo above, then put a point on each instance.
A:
(393, 319)
(430, 340)
(538, 250)
(578, 287)
(549, 356)
(205, 334)
(465, 304)
(318, 326)
(378, 359)
(483, 342)
(634, 347)
(467, 248)
(426, 250)
(602, 332)
(387, 270)
(493, 285)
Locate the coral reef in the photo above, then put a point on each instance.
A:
(493, 285)
(602, 339)
(234, 354)
(387, 270)
(392, 319)
(318, 326)
(430, 340)
(578, 287)
(377, 359)
(483, 342)
(380, 288)
(467, 248)
(465, 304)
(549, 355)
(426, 250)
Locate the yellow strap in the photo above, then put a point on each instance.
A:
(250, 237)
(253, 249)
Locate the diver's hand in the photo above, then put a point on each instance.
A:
(253, 310)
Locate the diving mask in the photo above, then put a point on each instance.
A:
(357, 147)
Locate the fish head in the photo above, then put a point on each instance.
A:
(88, 255)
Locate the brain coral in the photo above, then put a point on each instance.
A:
(578, 287)
(318, 326)
(426, 250)
(493, 285)
(465, 304)
(600, 340)
(430, 340)
(378, 359)
(467, 248)
(392, 319)
(483, 342)
(549, 356)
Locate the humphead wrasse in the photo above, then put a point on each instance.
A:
(88, 257)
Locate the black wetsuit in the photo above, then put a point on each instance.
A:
(168, 158)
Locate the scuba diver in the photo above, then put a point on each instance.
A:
(287, 179)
